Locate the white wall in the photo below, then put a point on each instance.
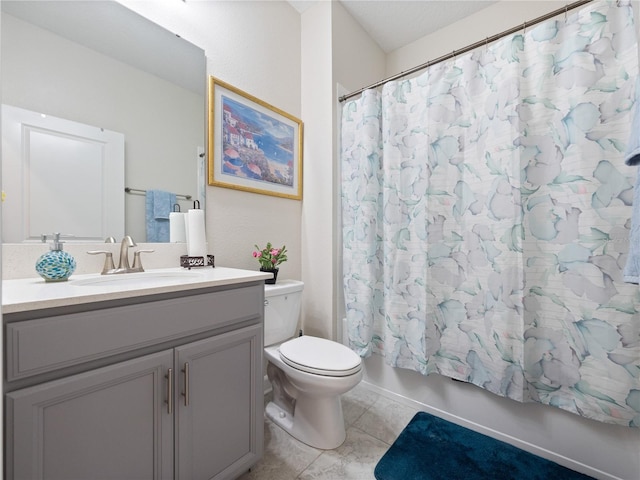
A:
(254, 46)
(317, 226)
(356, 59)
(492, 20)
(602, 451)
(335, 49)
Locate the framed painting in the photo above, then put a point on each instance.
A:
(253, 146)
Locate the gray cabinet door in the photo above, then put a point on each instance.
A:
(219, 405)
(109, 423)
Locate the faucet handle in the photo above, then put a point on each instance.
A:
(108, 260)
(137, 263)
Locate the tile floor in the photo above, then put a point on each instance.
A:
(373, 422)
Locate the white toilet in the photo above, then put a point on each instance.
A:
(308, 374)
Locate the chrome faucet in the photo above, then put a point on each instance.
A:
(123, 263)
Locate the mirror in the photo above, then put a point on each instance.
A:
(103, 65)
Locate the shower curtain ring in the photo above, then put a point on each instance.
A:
(524, 27)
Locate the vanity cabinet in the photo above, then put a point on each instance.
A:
(105, 424)
(146, 389)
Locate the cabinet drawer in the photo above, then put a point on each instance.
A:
(47, 344)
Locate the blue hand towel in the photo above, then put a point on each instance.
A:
(631, 271)
(158, 206)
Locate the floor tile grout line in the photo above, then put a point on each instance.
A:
(372, 436)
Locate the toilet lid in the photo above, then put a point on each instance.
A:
(320, 356)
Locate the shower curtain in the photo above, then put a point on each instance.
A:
(486, 210)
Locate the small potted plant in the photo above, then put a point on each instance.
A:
(269, 259)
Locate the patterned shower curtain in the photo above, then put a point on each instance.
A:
(486, 212)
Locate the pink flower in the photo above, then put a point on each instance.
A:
(270, 257)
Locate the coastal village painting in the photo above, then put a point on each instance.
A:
(252, 145)
(255, 145)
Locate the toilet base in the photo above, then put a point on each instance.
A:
(317, 422)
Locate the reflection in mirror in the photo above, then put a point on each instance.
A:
(99, 64)
(49, 164)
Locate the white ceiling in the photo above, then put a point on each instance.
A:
(395, 23)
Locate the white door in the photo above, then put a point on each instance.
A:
(60, 176)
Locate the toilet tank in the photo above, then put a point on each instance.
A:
(282, 303)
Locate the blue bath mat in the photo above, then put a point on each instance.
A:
(430, 448)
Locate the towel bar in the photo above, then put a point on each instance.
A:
(138, 190)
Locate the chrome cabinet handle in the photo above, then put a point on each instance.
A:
(169, 377)
(186, 384)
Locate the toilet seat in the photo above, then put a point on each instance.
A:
(320, 356)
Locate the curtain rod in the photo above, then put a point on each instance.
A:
(468, 48)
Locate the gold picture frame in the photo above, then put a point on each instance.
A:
(253, 146)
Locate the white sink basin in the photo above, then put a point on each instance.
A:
(139, 279)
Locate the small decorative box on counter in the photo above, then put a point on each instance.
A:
(187, 262)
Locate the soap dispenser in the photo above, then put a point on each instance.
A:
(56, 265)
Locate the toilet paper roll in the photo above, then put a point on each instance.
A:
(186, 230)
(177, 228)
(196, 236)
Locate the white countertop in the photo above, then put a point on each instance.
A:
(35, 294)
